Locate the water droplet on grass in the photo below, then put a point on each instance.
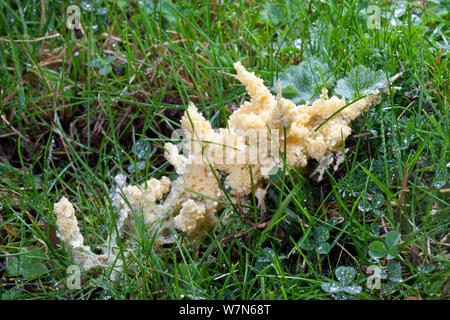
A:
(406, 142)
(440, 178)
(439, 184)
(415, 18)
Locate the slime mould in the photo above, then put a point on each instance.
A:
(263, 135)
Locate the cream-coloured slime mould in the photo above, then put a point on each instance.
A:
(263, 135)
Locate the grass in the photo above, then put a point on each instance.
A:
(78, 106)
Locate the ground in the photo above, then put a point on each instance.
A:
(79, 106)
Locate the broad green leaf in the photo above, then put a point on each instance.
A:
(192, 271)
(323, 248)
(321, 234)
(395, 272)
(142, 148)
(167, 11)
(29, 264)
(105, 70)
(122, 4)
(303, 82)
(10, 294)
(392, 238)
(164, 9)
(264, 259)
(426, 268)
(96, 63)
(271, 13)
(110, 59)
(275, 175)
(307, 242)
(359, 80)
(377, 249)
(393, 252)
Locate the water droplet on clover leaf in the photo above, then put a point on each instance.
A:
(395, 272)
(142, 148)
(378, 212)
(85, 5)
(96, 63)
(321, 234)
(102, 11)
(378, 200)
(331, 287)
(365, 205)
(323, 248)
(345, 275)
(353, 290)
(400, 8)
(105, 70)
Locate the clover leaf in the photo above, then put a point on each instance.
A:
(378, 249)
(271, 13)
(318, 239)
(28, 264)
(345, 276)
(394, 272)
(105, 66)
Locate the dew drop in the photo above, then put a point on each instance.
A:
(353, 290)
(141, 165)
(102, 11)
(378, 200)
(85, 5)
(400, 9)
(142, 148)
(365, 205)
(331, 287)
